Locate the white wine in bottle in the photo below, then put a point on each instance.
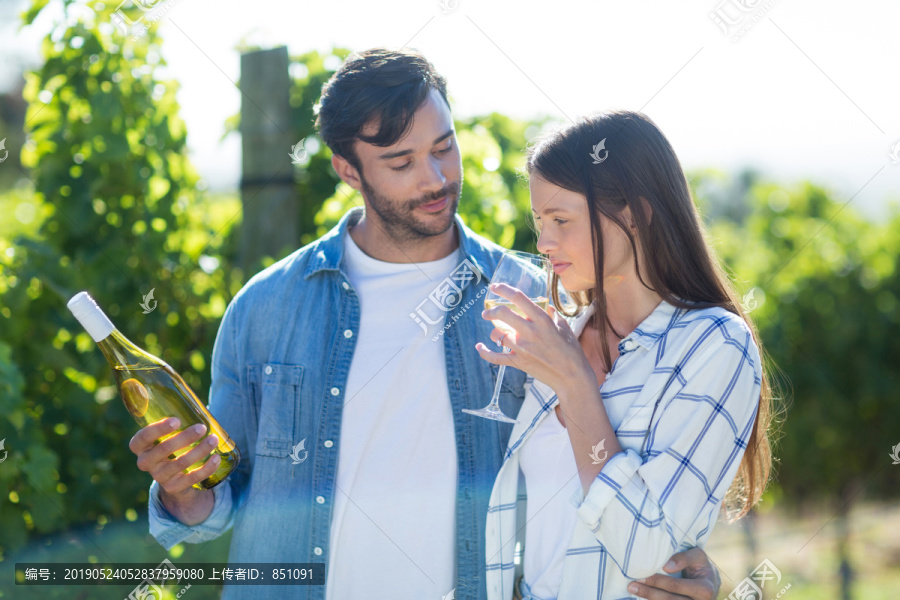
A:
(152, 390)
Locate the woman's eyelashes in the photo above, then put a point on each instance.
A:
(556, 220)
(443, 151)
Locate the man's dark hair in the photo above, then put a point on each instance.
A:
(388, 85)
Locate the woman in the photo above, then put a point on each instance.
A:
(650, 407)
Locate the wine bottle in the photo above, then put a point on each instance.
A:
(152, 390)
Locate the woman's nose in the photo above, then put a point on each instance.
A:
(545, 243)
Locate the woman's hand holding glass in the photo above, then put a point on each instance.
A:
(528, 273)
(541, 343)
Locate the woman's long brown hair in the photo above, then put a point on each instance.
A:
(634, 164)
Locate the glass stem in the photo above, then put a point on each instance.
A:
(495, 399)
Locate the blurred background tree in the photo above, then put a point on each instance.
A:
(824, 285)
(120, 216)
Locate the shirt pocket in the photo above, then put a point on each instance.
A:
(276, 393)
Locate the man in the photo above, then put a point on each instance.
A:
(391, 483)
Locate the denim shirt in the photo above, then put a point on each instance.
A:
(279, 371)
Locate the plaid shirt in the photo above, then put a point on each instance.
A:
(682, 397)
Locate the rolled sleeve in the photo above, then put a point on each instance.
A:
(169, 531)
(643, 509)
(616, 474)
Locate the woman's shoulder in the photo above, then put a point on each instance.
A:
(711, 330)
(712, 317)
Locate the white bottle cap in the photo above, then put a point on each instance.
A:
(90, 316)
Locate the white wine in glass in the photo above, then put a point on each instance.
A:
(529, 274)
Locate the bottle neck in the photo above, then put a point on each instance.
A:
(121, 352)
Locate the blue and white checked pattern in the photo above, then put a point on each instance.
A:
(701, 372)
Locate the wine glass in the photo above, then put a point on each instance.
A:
(529, 274)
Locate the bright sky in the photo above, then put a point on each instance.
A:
(809, 91)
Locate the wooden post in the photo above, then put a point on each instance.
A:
(270, 211)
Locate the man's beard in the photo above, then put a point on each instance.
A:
(399, 218)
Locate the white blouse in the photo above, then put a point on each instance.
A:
(551, 477)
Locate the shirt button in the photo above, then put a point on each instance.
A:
(348, 334)
(335, 391)
(268, 370)
(329, 443)
(345, 285)
(628, 345)
(320, 499)
(317, 551)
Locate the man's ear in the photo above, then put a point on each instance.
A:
(347, 172)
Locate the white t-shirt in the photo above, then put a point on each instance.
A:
(393, 528)
(551, 476)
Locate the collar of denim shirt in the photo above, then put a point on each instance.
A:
(328, 251)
